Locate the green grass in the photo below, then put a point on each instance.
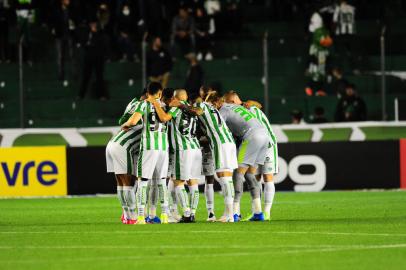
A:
(327, 230)
(40, 140)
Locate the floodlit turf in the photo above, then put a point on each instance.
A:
(328, 230)
(40, 140)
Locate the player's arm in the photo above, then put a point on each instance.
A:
(132, 121)
(162, 115)
(249, 103)
(195, 111)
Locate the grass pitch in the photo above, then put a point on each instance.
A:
(327, 230)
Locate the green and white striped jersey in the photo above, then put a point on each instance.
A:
(132, 138)
(214, 125)
(154, 133)
(260, 115)
(182, 130)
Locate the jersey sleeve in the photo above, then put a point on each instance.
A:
(140, 107)
(174, 111)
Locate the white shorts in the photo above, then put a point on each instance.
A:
(187, 164)
(119, 160)
(253, 149)
(271, 165)
(225, 158)
(208, 162)
(153, 164)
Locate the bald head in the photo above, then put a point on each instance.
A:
(181, 95)
(232, 97)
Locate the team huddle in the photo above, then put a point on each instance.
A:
(169, 139)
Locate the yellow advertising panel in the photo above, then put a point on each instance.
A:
(33, 171)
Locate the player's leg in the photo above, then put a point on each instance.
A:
(269, 169)
(152, 201)
(193, 197)
(209, 194)
(121, 198)
(160, 174)
(193, 169)
(173, 203)
(183, 199)
(255, 192)
(129, 195)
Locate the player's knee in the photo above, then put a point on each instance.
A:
(192, 182)
(210, 179)
(268, 177)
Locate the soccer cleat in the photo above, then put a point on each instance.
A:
(123, 219)
(164, 218)
(131, 221)
(237, 217)
(192, 219)
(140, 220)
(267, 216)
(211, 218)
(225, 219)
(257, 217)
(185, 220)
(154, 220)
(248, 217)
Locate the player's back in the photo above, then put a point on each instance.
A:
(154, 134)
(260, 115)
(240, 121)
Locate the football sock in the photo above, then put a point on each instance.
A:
(269, 194)
(228, 190)
(209, 194)
(194, 198)
(183, 199)
(238, 180)
(129, 196)
(152, 198)
(121, 198)
(173, 202)
(253, 186)
(257, 206)
(142, 197)
(163, 195)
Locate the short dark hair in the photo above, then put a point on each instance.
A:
(193, 96)
(168, 93)
(153, 88)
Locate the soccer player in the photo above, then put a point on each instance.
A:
(153, 157)
(251, 152)
(120, 153)
(187, 159)
(270, 167)
(223, 151)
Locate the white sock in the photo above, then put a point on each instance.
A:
(236, 207)
(142, 197)
(194, 198)
(173, 202)
(209, 194)
(123, 202)
(152, 198)
(269, 194)
(183, 199)
(163, 195)
(228, 190)
(129, 196)
(257, 205)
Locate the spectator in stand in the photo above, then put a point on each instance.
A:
(297, 117)
(159, 63)
(63, 26)
(233, 20)
(183, 29)
(195, 75)
(25, 11)
(344, 18)
(125, 30)
(94, 59)
(4, 30)
(203, 37)
(338, 83)
(318, 116)
(351, 107)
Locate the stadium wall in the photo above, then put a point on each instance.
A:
(58, 171)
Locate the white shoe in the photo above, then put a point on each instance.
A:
(174, 218)
(208, 57)
(211, 218)
(199, 56)
(225, 219)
